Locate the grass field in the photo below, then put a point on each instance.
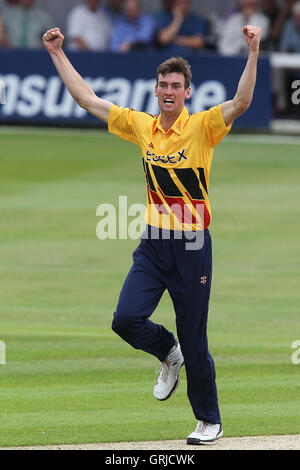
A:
(68, 377)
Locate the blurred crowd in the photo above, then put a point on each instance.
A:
(123, 26)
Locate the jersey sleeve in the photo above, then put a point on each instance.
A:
(214, 125)
(121, 122)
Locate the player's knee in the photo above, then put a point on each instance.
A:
(121, 322)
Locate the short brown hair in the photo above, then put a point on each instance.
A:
(176, 65)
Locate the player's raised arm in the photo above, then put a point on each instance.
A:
(241, 102)
(78, 88)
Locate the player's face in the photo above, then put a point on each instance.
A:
(171, 93)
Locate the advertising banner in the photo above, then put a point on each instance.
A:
(32, 91)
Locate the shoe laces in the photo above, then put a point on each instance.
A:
(166, 367)
(162, 370)
(202, 426)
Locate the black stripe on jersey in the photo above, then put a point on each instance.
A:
(189, 179)
(202, 179)
(148, 176)
(165, 182)
(154, 116)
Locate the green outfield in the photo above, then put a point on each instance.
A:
(68, 378)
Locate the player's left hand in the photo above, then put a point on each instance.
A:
(252, 36)
(53, 40)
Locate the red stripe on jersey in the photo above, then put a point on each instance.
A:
(180, 209)
(202, 212)
(161, 208)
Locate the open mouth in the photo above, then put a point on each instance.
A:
(168, 101)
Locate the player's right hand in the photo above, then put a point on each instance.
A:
(53, 40)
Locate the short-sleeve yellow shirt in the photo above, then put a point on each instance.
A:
(176, 163)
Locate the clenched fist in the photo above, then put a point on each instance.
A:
(252, 36)
(53, 40)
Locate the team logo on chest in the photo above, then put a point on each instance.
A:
(152, 157)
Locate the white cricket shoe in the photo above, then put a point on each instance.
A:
(168, 378)
(205, 433)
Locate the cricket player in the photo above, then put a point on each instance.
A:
(177, 150)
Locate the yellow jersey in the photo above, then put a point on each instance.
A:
(176, 163)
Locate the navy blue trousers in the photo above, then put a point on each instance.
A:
(160, 264)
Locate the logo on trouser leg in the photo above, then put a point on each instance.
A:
(203, 279)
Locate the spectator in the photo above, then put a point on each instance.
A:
(166, 8)
(88, 27)
(113, 10)
(231, 40)
(282, 78)
(178, 29)
(220, 9)
(290, 39)
(284, 13)
(24, 23)
(272, 10)
(134, 31)
(216, 12)
(11, 3)
(3, 39)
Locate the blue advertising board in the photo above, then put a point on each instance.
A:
(34, 92)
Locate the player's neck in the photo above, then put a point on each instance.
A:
(167, 120)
